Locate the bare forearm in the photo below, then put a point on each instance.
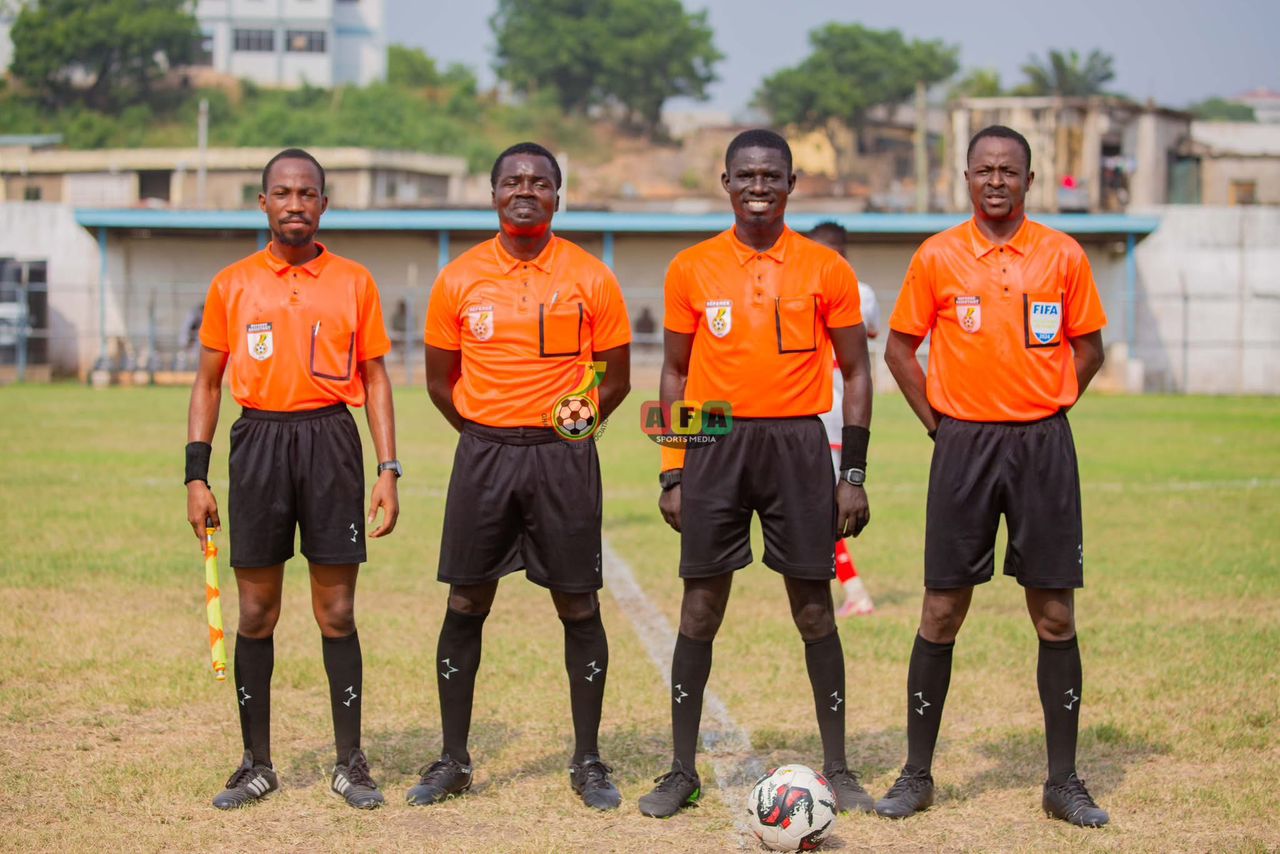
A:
(1087, 355)
(202, 414)
(910, 379)
(441, 393)
(857, 400)
(382, 418)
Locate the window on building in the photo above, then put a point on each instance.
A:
(1243, 193)
(249, 194)
(255, 41)
(153, 184)
(32, 194)
(305, 41)
(204, 50)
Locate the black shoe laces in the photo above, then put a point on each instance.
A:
(906, 783)
(594, 773)
(1078, 797)
(841, 773)
(436, 771)
(358, 771)
(241, 775)
(670, 780)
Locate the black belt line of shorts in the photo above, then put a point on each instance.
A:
(1061, 413)
(301, 415)
(511, 435)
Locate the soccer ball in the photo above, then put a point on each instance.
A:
(575, 417)
(791, 808)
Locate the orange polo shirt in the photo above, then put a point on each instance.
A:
(1001, 318)
(525, 328)
(295, 335)
(759, 322)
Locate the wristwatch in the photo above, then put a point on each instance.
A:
(856, 477)
(391, 465)
(670, 479)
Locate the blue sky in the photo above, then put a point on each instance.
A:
(1176, 53)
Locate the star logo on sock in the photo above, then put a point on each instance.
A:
(352, 695)
(835, 695)
(1072, 699)
(244, 695)
(924, 704)
(449, 668)
(594, 671)
(680, 693)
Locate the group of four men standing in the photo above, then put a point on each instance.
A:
(752, 317)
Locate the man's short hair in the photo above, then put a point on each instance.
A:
(758, 138)
(832, 226)
(292, 154)
(525, 148)
(1000, 132)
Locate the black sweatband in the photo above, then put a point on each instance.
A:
(198, 454)
(853, 447)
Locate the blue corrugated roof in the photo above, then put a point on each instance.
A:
(588, 221)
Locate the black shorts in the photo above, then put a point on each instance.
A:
(779, 468)
(1027, 472)
(523, 498)
(296, 468)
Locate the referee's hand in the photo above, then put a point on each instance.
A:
(853, 513)
(201, 507)
(669, 504)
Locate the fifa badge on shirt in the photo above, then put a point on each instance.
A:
(719, 316)
(1045, 320)
(969, 313)
(481, 321)
(261, 344)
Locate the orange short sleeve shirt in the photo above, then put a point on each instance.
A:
(295, 335)
(1000, 320)
(760, 320)
(525, 328)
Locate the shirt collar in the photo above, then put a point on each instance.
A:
(1020, 242)
(508, 262)
(776, 252)
(279, 266)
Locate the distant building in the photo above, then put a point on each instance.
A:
(1265, 103)
(1233, 163)
(1096, 154)
(6, 44)
(357, 178)
(287, 43)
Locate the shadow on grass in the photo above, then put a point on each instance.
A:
(1104, 754)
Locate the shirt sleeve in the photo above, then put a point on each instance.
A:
(443, 328)
(916, 309)
(213, 327)
(610, 326)
(678, 314)
(1084, 306)
(371, 340)
(840, 289)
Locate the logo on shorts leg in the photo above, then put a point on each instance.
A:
(719, 316)
(480, 319)
(261, 343)
(969, 313)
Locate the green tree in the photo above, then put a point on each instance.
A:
(1065, 73)
(851, 69)
(633, 53)
(411, 68)
(977, 83)
(1221, 110)
(101, 52)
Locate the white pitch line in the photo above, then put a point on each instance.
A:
(725, 743)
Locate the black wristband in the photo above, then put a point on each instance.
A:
(198, 454)
(853, 447)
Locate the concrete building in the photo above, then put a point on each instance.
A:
(6, 43)
(1233, 163)
(357, 178)
(287, 43)
(1090, 154)
(1265, 104)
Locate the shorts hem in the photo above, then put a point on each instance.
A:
(956, 583)
(255, 564)
(1050, 583)
(330, 560)
(711, 570)
(806, 572)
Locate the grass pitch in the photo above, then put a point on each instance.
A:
(117, 735)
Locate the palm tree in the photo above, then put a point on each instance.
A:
(1063, 74)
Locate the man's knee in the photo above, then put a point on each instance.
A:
(336, 617)
(942, 616)
(575, 607)
(815, 620)
(472, 599)
(258, 618)
(700, 616)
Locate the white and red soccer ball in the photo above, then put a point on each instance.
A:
(791, 808)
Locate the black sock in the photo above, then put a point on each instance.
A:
(825, 661)
(457, 661)
(928, 678)
(344, 667)
(255, 658)
(586, 660)
(1058, 676)
(690, 669)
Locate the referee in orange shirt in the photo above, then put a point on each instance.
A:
(302, 331)
(514, 327)
(1016, 335)
(752, 316)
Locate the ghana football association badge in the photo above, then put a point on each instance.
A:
(719, 316)
(261, 342)
(481, 321)
(969, 313)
